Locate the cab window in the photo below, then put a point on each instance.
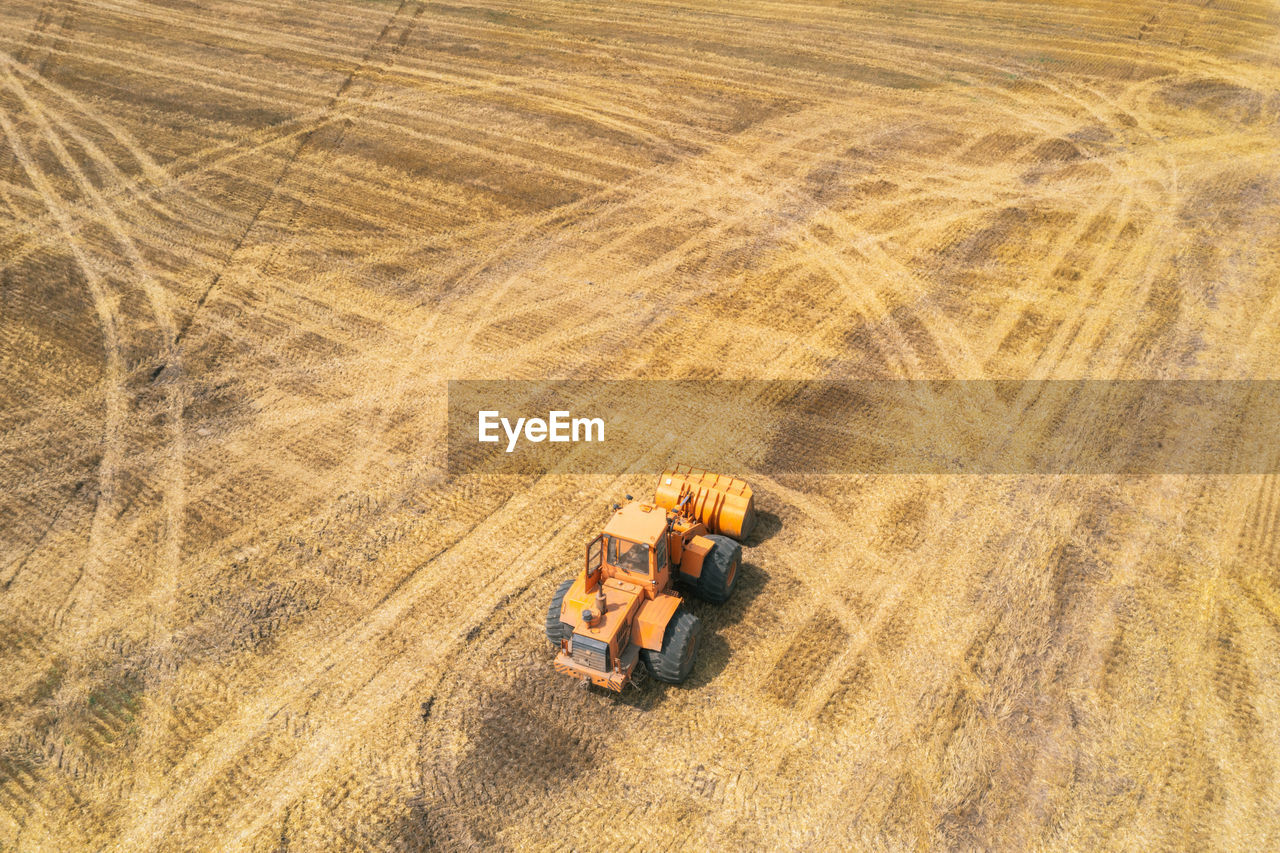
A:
(630, 556)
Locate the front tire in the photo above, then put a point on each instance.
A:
(679, 649)
(720, 570)
(557, 630)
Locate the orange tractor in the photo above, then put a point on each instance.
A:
(622, 609)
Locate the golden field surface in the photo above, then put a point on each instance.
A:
(245, 244)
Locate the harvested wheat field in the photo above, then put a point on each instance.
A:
(244, 603)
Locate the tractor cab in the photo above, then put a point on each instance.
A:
(633, 547)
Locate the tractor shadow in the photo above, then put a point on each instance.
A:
(714, 652)
(767, 526)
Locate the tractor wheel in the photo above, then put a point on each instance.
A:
(679, 649)
(557, 630)
(720, 570)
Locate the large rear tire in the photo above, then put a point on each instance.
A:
(557, 630)
(679, 649)
(720, 570)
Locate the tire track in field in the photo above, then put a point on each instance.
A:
(104, 302)
(86, 49)
(492, 152)
(828, 522)
(284, 103)
(306, 765)
(812, 241)
(295, 320)
(791, 81)
(869, 57)
(152, 170)
(488, 313)
(254, 85)
(128, 187)
(143, 791)
(1260, 533)
(166, 566)
(56, 14)
(319, 489)
(311, 761)
(658, 63)
(933, 320)
(943, 337)
(715, 171)
(864, 301)
(467, 660)
(1024, 104)
(150, 167)
(1117, 194)
(907, 728)
(1140, 264)
(18, 563)
(977, 39)
(322, 664)
(317, 50)
(447, 141)
(538, 308)
(387, 689)
(173, 502)
(36, 229)
(234, 260)
(1022, 110)
(1208, 649)
(641, 346)
(859, 631)
(375, 72)
(608, 112)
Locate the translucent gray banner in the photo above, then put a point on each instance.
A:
(866, 426)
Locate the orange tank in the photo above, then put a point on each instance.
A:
(724, 504)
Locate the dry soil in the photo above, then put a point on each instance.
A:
(245, 243)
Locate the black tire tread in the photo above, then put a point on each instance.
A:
(557, 630)
(714, 584)
(679, 649)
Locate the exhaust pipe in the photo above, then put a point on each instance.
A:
(593, 615)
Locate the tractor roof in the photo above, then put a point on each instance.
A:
(638, 522)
